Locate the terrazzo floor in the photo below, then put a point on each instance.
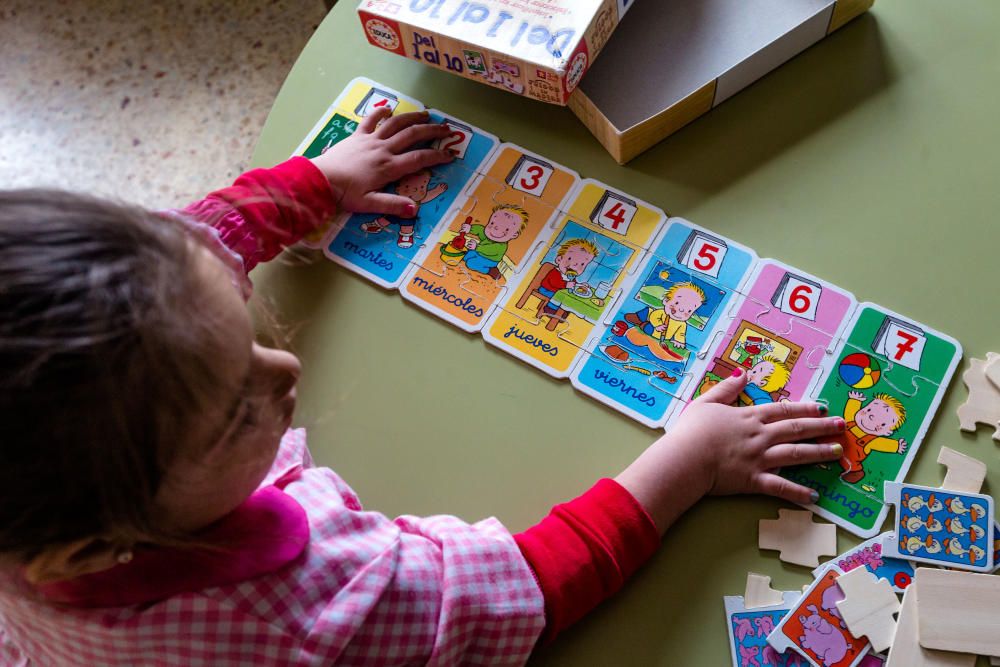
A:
(150, 102)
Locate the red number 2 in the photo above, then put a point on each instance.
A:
(706, 253)
(906, 345)
(536, 173)
(453, 139)
(616, 215)
(800, 295)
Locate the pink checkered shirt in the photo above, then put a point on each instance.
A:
(368, 591)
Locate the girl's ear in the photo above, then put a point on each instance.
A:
(71, 560)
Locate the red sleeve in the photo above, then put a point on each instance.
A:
(266, 210)
(585, 550)
(553, 281)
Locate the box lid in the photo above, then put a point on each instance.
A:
(542, 32)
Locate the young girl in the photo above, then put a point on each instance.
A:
(157, 509)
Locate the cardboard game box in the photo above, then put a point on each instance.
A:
(536, 48)
(688, 57)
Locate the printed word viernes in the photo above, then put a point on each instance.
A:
(465, 304)
(624, 387)
(551, 350)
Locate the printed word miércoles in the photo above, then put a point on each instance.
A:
(449, 298)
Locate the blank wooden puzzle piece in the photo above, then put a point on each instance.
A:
(993, 369)
(797, 538)
(868, 607)
(957, 611)
(965, 474)
(983, 404)
(906, 650)
(759, 592)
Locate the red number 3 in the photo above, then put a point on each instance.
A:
(536, 174)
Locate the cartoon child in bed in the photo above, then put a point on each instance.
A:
(414, 186)
(655, 327)
(572, 258)
(486, 245)
(764, 378)
(868, 430)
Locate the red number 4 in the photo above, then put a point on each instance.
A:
(616, 214)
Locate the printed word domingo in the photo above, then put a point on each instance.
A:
(625, 388)
(852, 506)
(551, 350)
(446, 296)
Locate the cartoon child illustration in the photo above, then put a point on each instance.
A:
(414, 186)
(572, 258)
(868, 430)
(654, 328)
(486, 245)
(766, 377)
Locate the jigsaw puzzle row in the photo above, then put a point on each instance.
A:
(641, 312)
(848, 615)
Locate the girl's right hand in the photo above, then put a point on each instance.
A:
(378, 154)
(715, 448)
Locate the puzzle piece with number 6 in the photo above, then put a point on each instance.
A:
(887, 379)
(780, 334)
(381, 247)
(571, 281)
(486, 237)
(642, 357)
(359, 98)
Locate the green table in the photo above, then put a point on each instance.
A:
(871, 160)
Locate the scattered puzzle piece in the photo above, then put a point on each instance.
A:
(868, 607)
(906, 650)
(759, 592)
(797, 538)
(965, 474)
(983, 404)
(993, 371)
(957, 611)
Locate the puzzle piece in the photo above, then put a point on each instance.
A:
(957, 611)
(868, 607)
(863, 379)
(659, 337)
(868, 555)
(749, 625)
(941, 527)
(485, 242)
(814, 629)
(983, 404)
(906, 650)
(797, 538)
(993, 371)
(965, 474)
(759, 592)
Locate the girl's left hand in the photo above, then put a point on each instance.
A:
(362, 164)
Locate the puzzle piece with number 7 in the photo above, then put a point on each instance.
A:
(886, 379)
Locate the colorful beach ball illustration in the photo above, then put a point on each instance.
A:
(859, 371)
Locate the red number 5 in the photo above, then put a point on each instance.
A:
(706, 253)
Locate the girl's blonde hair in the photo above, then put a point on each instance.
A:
(107, 358)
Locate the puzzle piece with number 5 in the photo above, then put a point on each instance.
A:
(780, 334)
(381, 247)
(887, 379)
(359, 98)
(570, 282)
(487, 236)
(641, 357)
